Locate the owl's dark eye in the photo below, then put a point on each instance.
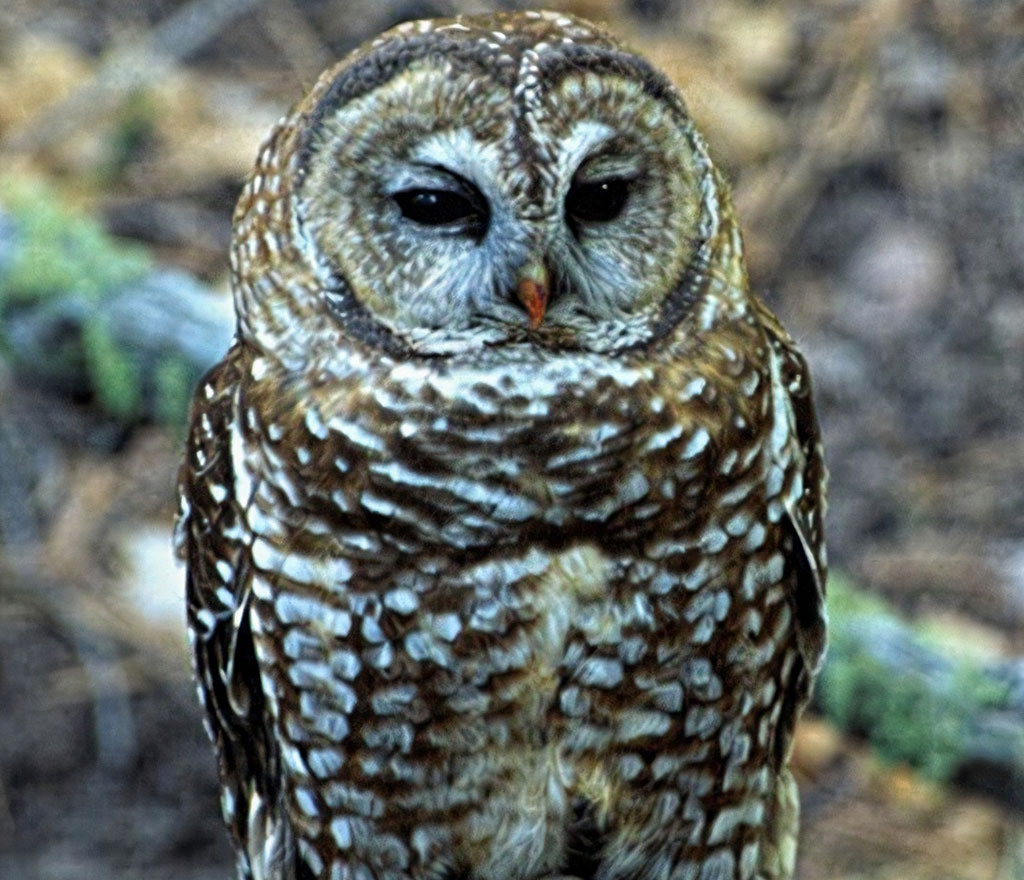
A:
(598, 201)
(440, 207)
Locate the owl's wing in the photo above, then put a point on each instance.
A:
(804, 519)
(805, 510)
(210, 536)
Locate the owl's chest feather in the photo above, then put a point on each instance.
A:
(511, 507)
(518, 572)
(463, 459)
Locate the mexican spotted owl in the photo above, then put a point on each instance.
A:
(503, 514)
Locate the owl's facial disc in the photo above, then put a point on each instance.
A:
(450, 208)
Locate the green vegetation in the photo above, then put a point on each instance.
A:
(893, 684)
(60, 270)
(115, 376)
(133, 132)
(59, 251)
(174, 378)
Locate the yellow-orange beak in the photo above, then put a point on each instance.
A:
(532, 291)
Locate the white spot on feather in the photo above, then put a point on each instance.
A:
(697, 443)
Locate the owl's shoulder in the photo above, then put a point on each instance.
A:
(794, 385)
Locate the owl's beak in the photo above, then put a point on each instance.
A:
(532, 290)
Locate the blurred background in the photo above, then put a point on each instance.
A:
(876, 149)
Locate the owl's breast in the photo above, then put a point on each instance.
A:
(467, 454)
(461, 565)
(519, 445)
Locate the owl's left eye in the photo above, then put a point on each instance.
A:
(597, 201)
(440, 207)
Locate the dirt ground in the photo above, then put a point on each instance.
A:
(876, 150)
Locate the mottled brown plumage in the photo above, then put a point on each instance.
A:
(502, 515)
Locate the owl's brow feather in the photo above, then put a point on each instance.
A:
(373, 69)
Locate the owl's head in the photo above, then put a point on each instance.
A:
(508, 178)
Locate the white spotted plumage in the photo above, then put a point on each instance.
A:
(475, 593)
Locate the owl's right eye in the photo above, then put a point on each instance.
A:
(440, 207)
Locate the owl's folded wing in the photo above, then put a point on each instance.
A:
(805, 507)
(210, 536)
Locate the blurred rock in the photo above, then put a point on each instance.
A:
(152, 580)
(894, 277)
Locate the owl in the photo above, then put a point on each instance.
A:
(502, 516)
